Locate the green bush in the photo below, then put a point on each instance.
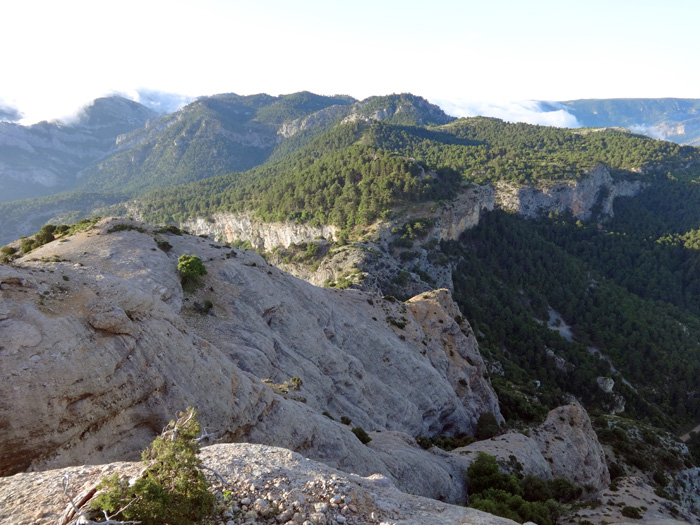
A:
(535, 489)
(169, 229)
(445, 442)
(563, 490)
(172, 489)
(512, 506)
(361, 435)
(190, 266)
(487, 426)
(164, 245)
(631, 512)
(484, 474)
(45, 235)
(526, 499)
(27, 245)
(616, 470)
(125, 227)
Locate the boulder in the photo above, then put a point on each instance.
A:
(570, 445)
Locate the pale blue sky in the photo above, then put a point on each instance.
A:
(59, 55)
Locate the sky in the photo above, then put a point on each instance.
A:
(470, 57)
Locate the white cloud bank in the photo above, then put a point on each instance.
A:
(528, 111)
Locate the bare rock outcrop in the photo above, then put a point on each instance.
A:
(464, 212)
(321, 118)
(565, 445)
(515, 452)
(580, 197)
(569, 443)
(100, 348)
(632, 492)
(686, 488)
(229, 227)
(255, 475)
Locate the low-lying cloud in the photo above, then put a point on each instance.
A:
(159, 101)
(529, 111)
(650, 131)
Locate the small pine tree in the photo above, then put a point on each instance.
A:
(172, 489)
(190, 266)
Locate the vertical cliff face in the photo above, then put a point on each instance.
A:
(580, 197)
(464, 212)
(229, 227)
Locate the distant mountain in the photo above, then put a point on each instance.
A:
(673, 119)
(212, 136)
(45, 158)
(231, 133)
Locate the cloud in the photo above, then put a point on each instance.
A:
(650, 131)
(529, 111)
(159, 101)
(9, 113)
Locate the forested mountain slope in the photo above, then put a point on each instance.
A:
(356, 172)
(211, 136)
(623, 283)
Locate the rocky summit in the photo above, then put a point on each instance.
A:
(101, 346)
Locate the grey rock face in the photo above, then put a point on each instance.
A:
(578, 197)
(565, 445)
(569, 443)
(464, 212)
(263, 236)
(686, 487)
(606, 384)
(524, 449)
(260, 477)
(323, 117)
(101, 349)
